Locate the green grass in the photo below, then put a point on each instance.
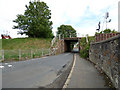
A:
(25, 43)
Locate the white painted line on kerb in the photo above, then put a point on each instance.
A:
(1, 66)
(68, 79)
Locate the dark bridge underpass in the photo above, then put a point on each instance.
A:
(69, 43)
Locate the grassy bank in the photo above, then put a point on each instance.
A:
(24, 48)
(25, 43)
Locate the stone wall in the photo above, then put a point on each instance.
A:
(106, 56)
(59, 47)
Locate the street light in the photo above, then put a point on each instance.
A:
(98, 26)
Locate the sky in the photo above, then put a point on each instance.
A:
(82, 15)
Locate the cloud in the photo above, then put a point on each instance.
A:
(83, 15)
(9, 9)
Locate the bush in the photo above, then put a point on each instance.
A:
(84, 51)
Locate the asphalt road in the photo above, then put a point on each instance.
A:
(33, 73)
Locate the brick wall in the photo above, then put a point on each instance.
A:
(106, 55)
(105, 36)
(60, 46)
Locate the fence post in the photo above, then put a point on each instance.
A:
(31, 54)
(42, 51)
(49, 51)
(19, 54)
(86, 38)
(3, 54)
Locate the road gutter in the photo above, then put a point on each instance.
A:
(70, 74)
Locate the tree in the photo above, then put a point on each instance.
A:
(66, 31)
(36, 20)
(107, 31)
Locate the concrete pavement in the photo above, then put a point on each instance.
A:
(85, 75)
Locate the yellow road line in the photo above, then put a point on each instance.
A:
(70, 74)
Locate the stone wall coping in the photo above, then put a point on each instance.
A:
(109, 39)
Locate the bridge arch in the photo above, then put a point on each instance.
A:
(69, 41)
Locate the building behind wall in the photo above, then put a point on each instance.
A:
(5, 36)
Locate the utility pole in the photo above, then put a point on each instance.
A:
(98, 26)
(106, 17)
(105, 20)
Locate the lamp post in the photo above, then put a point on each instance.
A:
(106, 17)
(98, 27)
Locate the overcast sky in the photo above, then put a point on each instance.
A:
(82, 15)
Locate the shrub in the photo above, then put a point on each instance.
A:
(84, 51)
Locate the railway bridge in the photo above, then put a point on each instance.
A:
(66, 44)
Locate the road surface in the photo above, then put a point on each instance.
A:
(33, 73)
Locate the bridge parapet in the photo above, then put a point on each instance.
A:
(68, 42)
(64, 45)
(72, 38)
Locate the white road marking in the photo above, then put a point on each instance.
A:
(9, 65)
(1, 67)
(68, 79)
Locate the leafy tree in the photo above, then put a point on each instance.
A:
(113, 31)
(107, 31)
(36, 20)
(66, 31)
